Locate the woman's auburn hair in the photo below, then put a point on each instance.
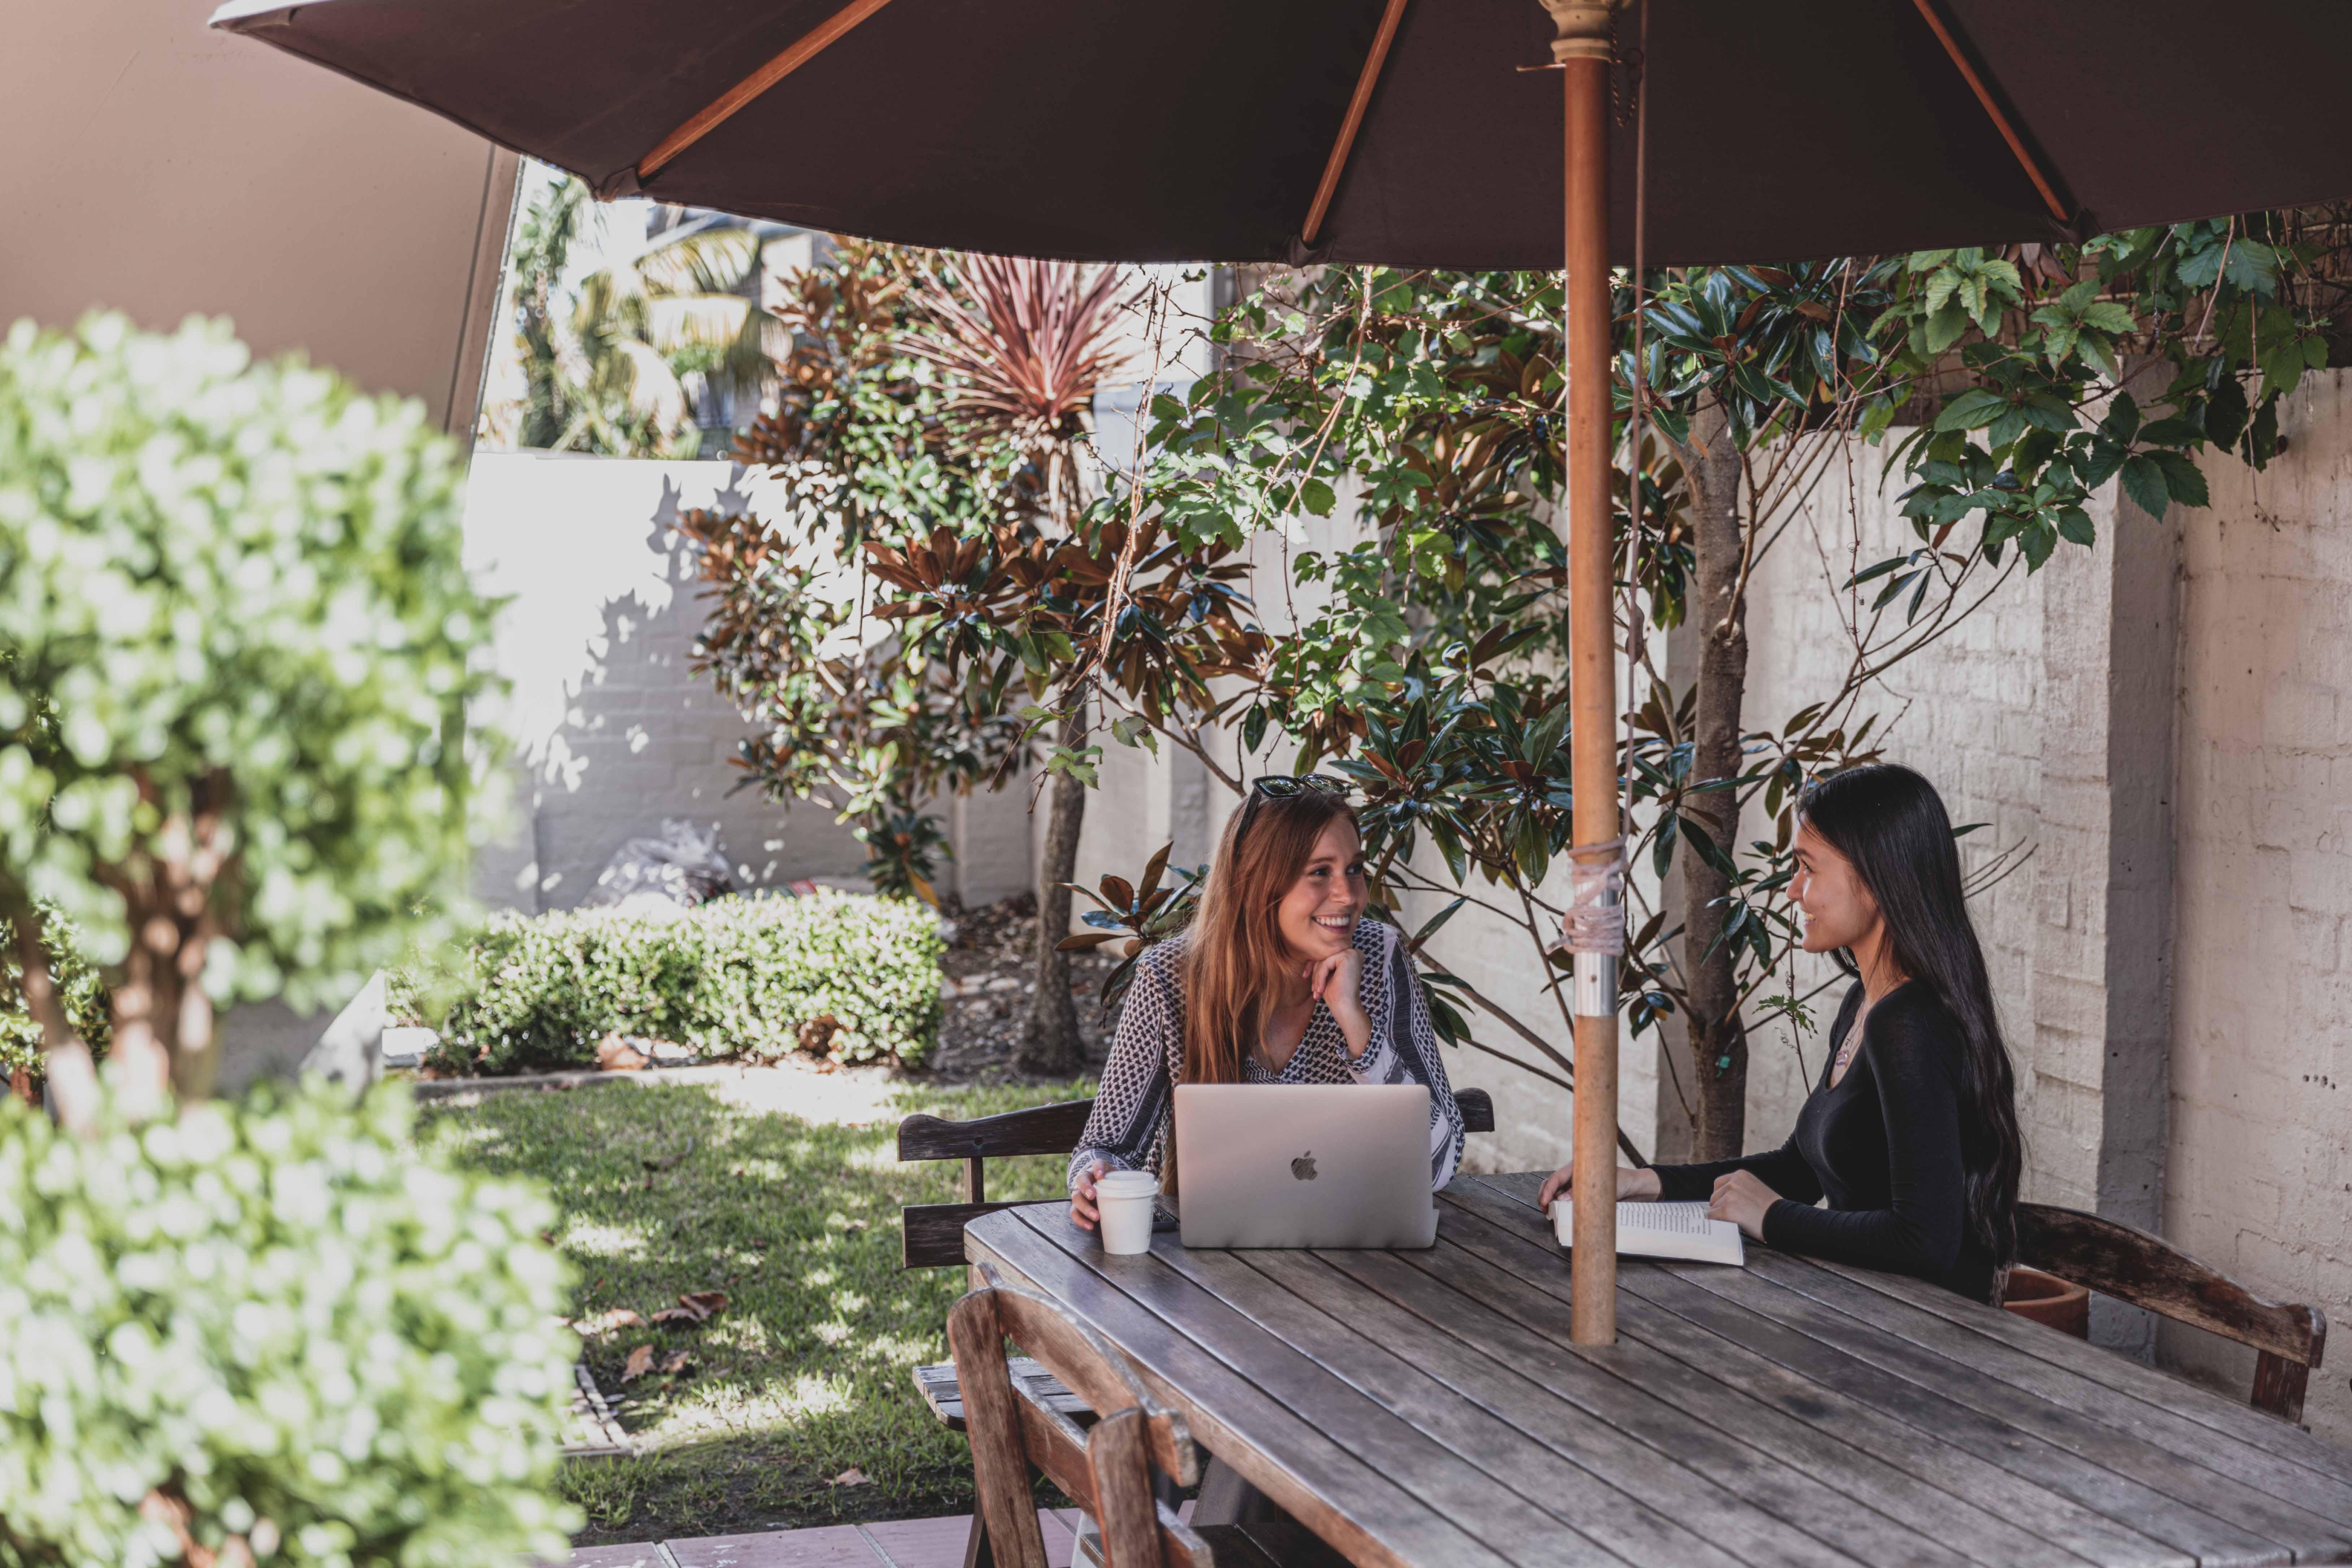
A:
(1234, 959)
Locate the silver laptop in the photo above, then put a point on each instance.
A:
(1304, 1165)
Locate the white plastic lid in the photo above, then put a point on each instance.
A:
(1128, 1184)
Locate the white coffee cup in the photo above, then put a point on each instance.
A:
(1125, 1198)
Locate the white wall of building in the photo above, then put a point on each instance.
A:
(2259, 1180)
(613, 729)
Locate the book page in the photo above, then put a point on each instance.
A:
(1671, 1219)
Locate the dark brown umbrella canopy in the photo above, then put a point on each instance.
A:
(1111, 130)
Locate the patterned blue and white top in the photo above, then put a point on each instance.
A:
(1128, 1129)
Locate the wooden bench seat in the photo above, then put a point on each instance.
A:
(937, 1384)
(2289, 1339)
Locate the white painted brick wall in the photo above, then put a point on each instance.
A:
(613, 731)
(2259, 1180)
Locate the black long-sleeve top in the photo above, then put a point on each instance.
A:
(1884, 1146)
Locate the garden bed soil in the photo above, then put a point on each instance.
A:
(984, 999)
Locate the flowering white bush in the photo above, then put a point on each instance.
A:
(274, 1334)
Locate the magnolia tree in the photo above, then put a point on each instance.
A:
(237, 643)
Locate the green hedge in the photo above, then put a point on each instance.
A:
(734, 977)
(275, 1332)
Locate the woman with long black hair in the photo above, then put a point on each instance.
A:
(1911, 1133)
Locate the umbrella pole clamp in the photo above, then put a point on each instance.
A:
(1584, 29)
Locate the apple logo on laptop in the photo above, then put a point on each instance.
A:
(1304, 1166)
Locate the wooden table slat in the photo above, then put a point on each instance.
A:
(2166, 1390)
(1345, 1349)
(2283, 1502)
(1496, 1310)
(2061, 1386)
(1882, 1343)
(1415, 1463)
(1980, 1462)
(1326, 1485)
(1427, 1407)
(1616, 1516)
(2184, 1530)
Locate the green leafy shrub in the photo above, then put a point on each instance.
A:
(80, 988)
(276, 1333)
(238, 644)
(737, 977)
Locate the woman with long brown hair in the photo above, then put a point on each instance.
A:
(1279, 979)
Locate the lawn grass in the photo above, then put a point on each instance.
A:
(668, 1188)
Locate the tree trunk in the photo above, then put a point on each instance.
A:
(1050, 1044)
(70, 1086)
(1715, 1081)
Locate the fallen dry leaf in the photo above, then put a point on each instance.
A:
(852, 1476)
(640, 1362)
(674, 1362)
(606, 1322)
(694, 1307)
(614, 1053)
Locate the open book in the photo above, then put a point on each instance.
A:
(1664, 1230)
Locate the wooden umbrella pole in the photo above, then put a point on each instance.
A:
(1582, 50)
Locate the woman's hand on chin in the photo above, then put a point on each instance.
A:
(1337, 982)
(1744, 1200)
(1082, 1197)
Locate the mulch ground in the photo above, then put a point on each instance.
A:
(985, 1002)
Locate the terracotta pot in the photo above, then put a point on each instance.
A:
(2047, 1300)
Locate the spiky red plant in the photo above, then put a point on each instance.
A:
(1026, 345)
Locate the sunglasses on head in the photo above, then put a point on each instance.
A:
(1285, 787)
(1281, 786)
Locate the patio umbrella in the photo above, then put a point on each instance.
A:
(1409, 132)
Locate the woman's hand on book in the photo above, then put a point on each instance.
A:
(1744, 1200)
(1630, 1184)
(1082, 1197)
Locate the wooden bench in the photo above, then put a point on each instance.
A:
(2129, 1264)
(1125, 1472)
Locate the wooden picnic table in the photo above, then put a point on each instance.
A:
(1426, 1408)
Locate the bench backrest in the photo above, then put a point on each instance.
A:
(1106, 1470)
(2149, 1271)
(933, 1233)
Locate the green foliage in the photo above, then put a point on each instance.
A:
(79, 986)
(239, 641)
(274, 1324)
(1433, 399)
(616, 326)
(734, 977)
(852, 712)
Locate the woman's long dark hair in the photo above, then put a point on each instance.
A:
(1891, 825)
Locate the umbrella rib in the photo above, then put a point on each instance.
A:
(1365, 81)
(720, 110)
(2000, 122)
